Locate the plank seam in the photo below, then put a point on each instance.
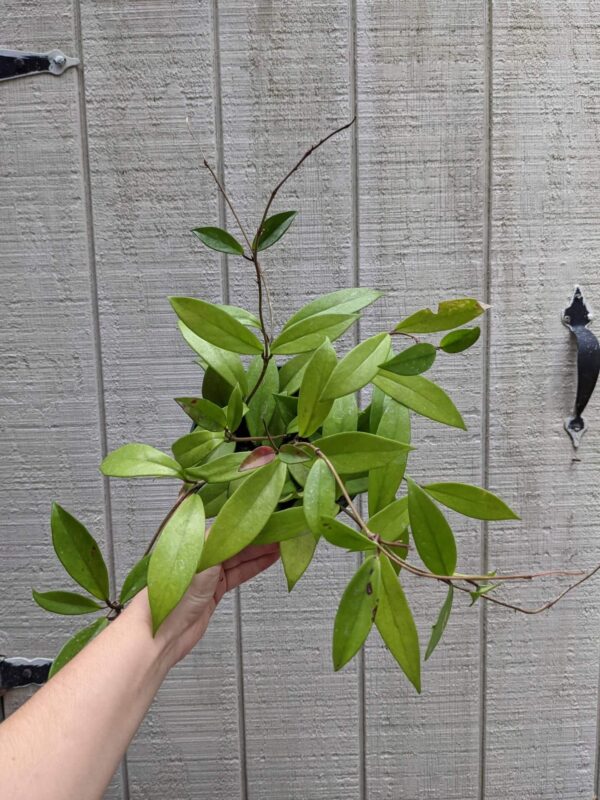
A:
(485, 417)
(225, 294)
(95, 313)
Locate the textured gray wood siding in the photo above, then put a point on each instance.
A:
(473, 169)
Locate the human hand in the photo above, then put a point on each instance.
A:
(186, 624)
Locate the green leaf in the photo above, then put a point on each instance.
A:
(221, 470)
(412, 361)
(358, 367)
(79, 553)
(216, 326)
(319, 495)
(391, 523)
(432, 535)
(287, 406)
(136, 580)
(287, 524)
(214, 496)
(450, 314)
(236, 409)
(296, 555)
(66, 602)
(243, 316)
(342, 417)
(378, 404)
(423, 396)
(215, 388)
(311, 411)
(457, 341)
(358, 452)
(193, 448)
(174, 560)
(220, 240)
(203, 412)
(262, 404)
(482, 590)
(385, 481)
(472, 501)
(440, 626)
(354, 618)
(292, 372)
(139, 461)
(341, 535)
(273, 229)
(396, 625)
(309, 333)
(293, 454)
(244, 514)
(76, 644)
(344, 301)
(227, 365)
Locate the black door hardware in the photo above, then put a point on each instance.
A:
(18, 63)
(17, 672)
(577, 317)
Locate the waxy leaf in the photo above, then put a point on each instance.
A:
(215, 388)
(377, 407)
(226, 364)
(440, 626)
(236, 409)
(139, 461)
(220, 470)
(309, 333)
(423, 396)
(76, 644)
(342, 417)
(385, 481)
(193, 448)
(450, 314)
(391, 523)
(344, 301)
(357, 452)
(243, 316)
(286, 524)
(354, 618)
(78, 552)
(396, 625)
(203, 412)
(258, 458)
(174, 560)
(341, 535)
(244, 514)
(220, 240)
(214, 496)
(216, 326)
(273, 229)
(292, 372)
(481, 591)
(287, 407)
(457, 341)
(472, 501)
(66, 602)
(136, 580)
(432, 535)
(296, 555)
(319, 495)
(311, 410)
(358, 367)
(412, 361)
(293, 454)
(262, 403)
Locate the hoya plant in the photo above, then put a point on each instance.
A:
(281, 450)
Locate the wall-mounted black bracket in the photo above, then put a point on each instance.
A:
(17, 672)
(19, 63)
(577, 316)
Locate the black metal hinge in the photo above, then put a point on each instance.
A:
(17, 672)
(19, 63)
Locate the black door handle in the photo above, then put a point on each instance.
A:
(577, 317)
(18, 63)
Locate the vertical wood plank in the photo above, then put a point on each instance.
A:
(543, 671)
(49, 403)
(421, 104)
(148, 66)
(284, 85)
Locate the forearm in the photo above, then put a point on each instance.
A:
(112, 682)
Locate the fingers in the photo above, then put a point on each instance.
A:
(243, 572)
(250, 553)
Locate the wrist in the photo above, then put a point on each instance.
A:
(136, 622)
